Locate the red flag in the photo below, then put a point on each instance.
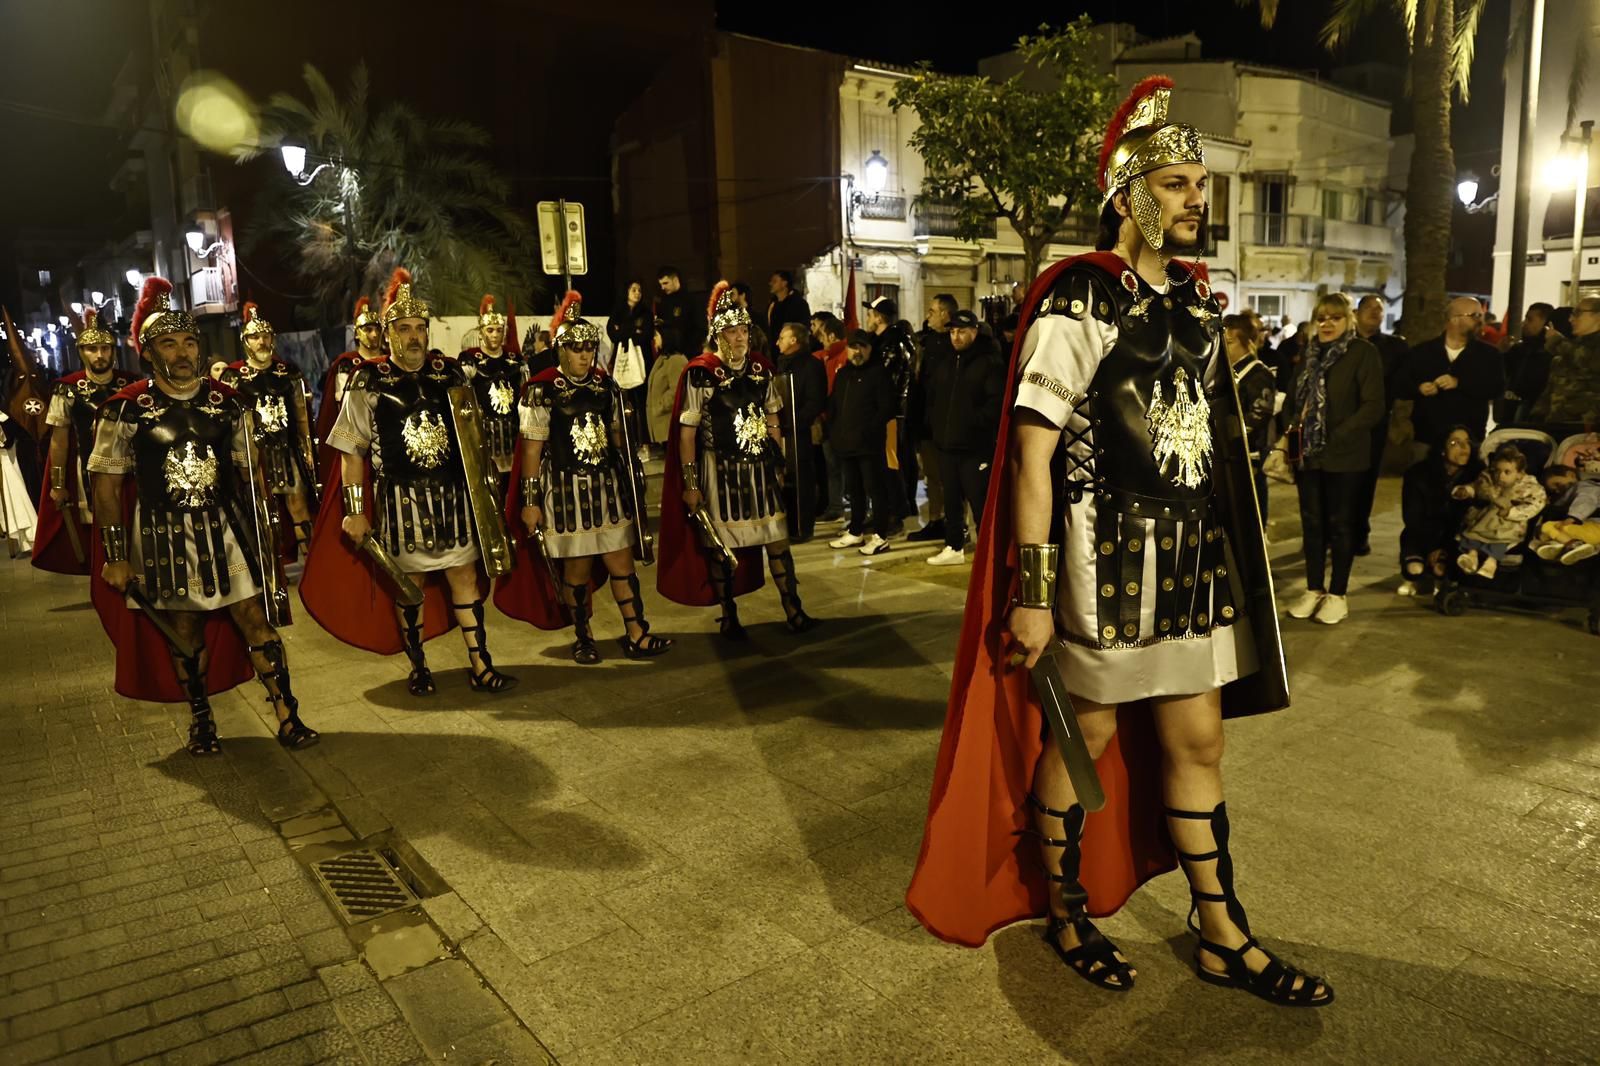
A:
(852, 321)
(513, 342)
(24, 402)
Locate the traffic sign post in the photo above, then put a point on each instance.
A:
(563, 246)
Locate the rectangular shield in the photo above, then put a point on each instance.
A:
(483, 483)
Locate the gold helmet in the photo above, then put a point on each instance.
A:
(567, 329)
(154, 315)
(398, 302)
(94, 333)
(723, 311)
(1140, 140)
(365, 315)
(487, 315)
(254, 324)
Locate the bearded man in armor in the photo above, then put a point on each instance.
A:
(73, 408)
(1121, 555)
(369, 346)
(178, 502)
(579, 494)
(497, 374)
(276, 392)
(725, 465)
(417, 506)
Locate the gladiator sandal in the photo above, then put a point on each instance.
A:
(488, 679)
(648, 645)
(421, 682)
(795, 616)
(584, 650)
(202, 726)
(1277, 981)
(722, 582)
(292, 732)
(1095, 958)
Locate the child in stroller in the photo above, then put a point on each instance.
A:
(1508, 498)
(1572, 533)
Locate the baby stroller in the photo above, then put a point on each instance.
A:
(1524, 579)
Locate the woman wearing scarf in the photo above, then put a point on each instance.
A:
(1338, 399)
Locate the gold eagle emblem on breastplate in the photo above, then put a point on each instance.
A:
(192, 476)
(501, 397)
(749, 430)
(272, 416)
(426, 439)
(1180, 432)
(589, 439)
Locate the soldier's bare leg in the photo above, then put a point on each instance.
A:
(190, 661)
(781, 562)
(468, 605)
(578, 595)
(271, 661)
(637, 641)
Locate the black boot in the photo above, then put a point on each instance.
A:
(292, 732)
(202, 727)
(1276, 981)
(421, 682)
(488, 679)
(788, 584)
(584, 650)
(1095, 958)
(722, 581)
(648, 645)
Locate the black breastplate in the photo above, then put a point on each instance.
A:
(580, 424)
(416, 437)
(86, 398)
(183, 452)
(270, 396)
(496, 383)
(737, 414)
(1147, 402)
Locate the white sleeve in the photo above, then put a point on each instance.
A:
(694, 401)
(1059, 358)
(58, 415)
(774, 396)
(533, 421)
(111, 454)
(352, 428)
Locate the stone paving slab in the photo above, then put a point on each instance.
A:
(702, 859)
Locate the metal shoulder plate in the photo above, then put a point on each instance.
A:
(702, 378)
(537, 394)
(1077, 294)
(361, 377)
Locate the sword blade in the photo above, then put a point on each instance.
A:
(405, 589)
(168, 634)
(1057, 707)
(70, 522)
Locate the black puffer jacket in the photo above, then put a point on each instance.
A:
(862, 404)
(964, 392)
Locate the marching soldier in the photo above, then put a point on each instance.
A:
(425, 510)
(276, 391)
(66, 507)
(723, 465)
(580, 496)
(498, 375)
(183, 534)
(369, 346)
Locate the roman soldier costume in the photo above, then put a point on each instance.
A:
(190, 527)
(338, 376)
(425, 492)
(726, 400)
(589, 494)
(1156, 574)
(497, 379)
(61, 540)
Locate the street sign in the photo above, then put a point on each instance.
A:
(562, 245)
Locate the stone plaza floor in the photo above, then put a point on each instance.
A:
(702, 859)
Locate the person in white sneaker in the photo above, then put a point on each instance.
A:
(1507, 498)
(963, 387)
(859, 410)
(947, 556)
(1337, 399)
(1429, 514)
(1574, 533)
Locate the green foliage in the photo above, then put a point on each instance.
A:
(403, 190)
(1024, 149)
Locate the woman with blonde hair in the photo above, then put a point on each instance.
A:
(1336, 399)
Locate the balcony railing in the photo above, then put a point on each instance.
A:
(1282, 231)
(205, 287)
(884, 208)
(939, 220)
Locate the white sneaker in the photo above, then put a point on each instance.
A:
(875, 545)
(1550, 550)
(1578, 553)
(1334, 609)
(947, 556)
(846, 539)
(1487, 568)
(1306, 605)
(1407, 588)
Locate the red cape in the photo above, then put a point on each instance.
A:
(527, 593)
(975, 874)
(52, 550)
(328, 410)
(341, 588)
(144, 665)
(683, 572)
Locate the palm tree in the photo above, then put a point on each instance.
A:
(1442, 34)
(397, 190)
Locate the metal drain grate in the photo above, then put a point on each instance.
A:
(362, 885)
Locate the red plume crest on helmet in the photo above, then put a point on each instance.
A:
(149, 296)
(485, 305)
(572, 297)
(716, 292)
(1120, 119)
(401, 276)
(250, 313)
(91, 319)
(362, 304)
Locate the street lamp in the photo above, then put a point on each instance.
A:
(1571, 168)
(77, 308)
(134, 277)
(98, 297)
(875, 173)
(195, 238)
(1467, 191)
(294, 161)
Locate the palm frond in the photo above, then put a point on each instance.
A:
(1347, 15)
(1269, 10)
(1579, 81)
(1463, 46)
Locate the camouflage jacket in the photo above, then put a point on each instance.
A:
(1572, 393)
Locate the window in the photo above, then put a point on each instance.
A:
(1375, 210)
(1331, 206)
(880, 132)
(44, 277)
(1217, 207)
(1272, 194)
(874, 290)
(1269, 305)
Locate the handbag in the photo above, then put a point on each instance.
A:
(628, 368)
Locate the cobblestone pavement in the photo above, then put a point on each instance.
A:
(701, 859)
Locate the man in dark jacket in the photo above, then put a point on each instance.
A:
(934, 343)
(861, 407)
(1570, 400)
(786, 306)
(896, 351)
(1392, 349)
(964, 389)
(1453, 378)
(681, 325)
(1527, 367)
(805, 385)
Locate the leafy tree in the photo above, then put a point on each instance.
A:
(399, 190)
(1024, 149)
(1442, 36)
